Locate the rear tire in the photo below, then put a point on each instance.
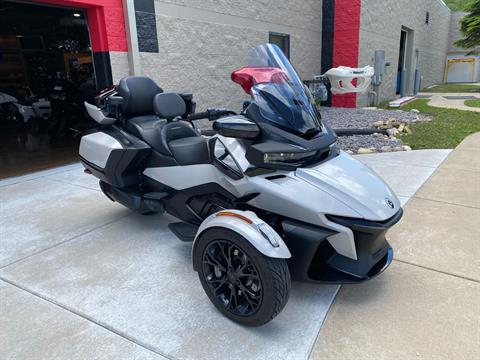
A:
(245, 285)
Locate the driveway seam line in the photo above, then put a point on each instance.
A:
(387, 162)
(451, 167)
(438, 271)
(31, 176)
(62, 242)
(85, 317)
(19, 182)
(446, 202)
(323, 321)
(68, 183)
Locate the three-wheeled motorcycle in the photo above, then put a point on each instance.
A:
(266, 198)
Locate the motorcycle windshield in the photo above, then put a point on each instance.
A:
(276, 88)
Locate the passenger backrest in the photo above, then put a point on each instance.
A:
(169, 105)
(138, 93)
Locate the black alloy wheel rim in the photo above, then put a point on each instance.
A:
(232, 278)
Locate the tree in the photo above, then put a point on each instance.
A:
(470, 26)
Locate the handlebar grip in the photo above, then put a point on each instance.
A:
(211, 114)
(198, 116)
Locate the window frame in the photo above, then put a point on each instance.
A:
(286, 42)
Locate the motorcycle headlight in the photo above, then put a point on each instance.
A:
(287, 158)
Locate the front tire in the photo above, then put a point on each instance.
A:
(245, 285)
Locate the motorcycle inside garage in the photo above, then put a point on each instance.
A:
(46, 73)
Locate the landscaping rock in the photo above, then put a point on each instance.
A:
(392, 132)
(343, 118)
(353, 143)
(365, 151)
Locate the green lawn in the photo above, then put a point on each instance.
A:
(456, 5)
(448, 128)
(448, 88)
(473, 102)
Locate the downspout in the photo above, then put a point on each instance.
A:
(132, 39)
(416, 83)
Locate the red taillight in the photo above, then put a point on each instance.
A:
(247, 76)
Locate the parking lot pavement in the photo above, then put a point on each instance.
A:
(98, 269)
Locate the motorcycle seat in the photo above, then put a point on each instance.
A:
(147, 128)
(149, 113)
(176, 139)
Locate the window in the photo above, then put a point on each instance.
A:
(427, 18)
(282, 41)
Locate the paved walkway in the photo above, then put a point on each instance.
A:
(427, 305)
(82, 277)
(441, 100)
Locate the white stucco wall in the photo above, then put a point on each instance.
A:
(202, 41)
(380, 28)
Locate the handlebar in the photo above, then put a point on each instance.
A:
(197, 116)
(211, 114)
(208, 132)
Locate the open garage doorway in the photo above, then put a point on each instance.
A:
(46, 73)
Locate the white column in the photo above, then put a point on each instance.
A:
(132, 40)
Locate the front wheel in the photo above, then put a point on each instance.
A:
(245, 285)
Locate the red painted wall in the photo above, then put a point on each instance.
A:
(346, 42)
(105, 22)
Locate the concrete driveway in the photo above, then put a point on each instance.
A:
(82, 277)
(427, 305)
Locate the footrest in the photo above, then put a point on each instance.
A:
(184, 231)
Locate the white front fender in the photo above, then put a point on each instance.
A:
(251, 227)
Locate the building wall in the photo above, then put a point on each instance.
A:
(455, 33)
(120, 65)
(455, 52)
(380, 28)
(200, 42)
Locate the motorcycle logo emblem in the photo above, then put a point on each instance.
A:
(389, 203)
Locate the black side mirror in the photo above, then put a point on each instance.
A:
(237, 127)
